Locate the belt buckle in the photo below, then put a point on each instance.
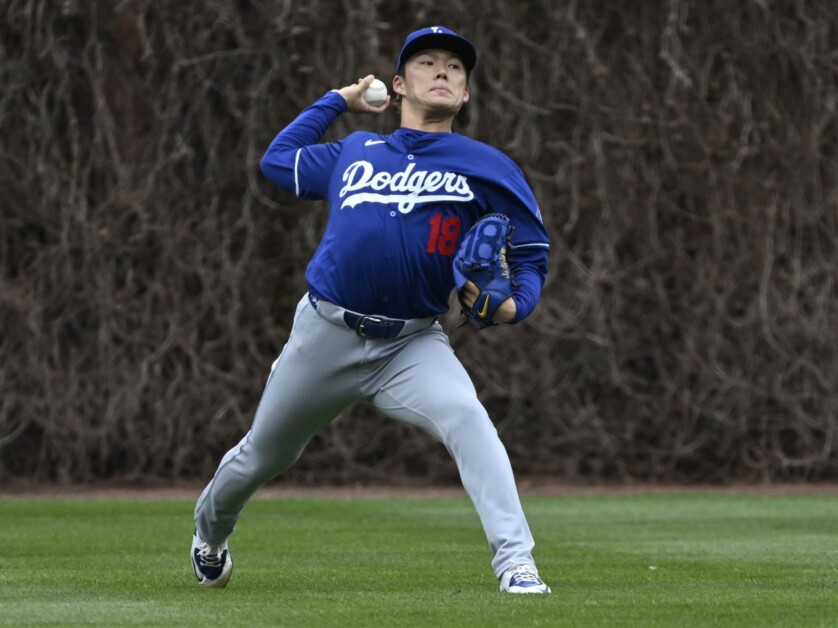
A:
(359, 327)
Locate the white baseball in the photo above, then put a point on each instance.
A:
(376, 93)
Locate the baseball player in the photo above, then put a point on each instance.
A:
(367, 328)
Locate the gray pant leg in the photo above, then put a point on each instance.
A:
(429, 388)
(309, 384)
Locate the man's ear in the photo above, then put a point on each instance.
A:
(398, 85)
(465, 95)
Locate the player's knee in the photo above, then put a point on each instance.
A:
(467, 419)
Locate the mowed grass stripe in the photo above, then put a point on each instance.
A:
(647, 559)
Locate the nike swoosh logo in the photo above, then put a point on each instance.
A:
(374, 142)
(485, 309)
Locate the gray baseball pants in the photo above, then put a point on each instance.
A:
(323, 368)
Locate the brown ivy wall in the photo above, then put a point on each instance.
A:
(684, 154)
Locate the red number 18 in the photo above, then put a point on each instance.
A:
(443, 234)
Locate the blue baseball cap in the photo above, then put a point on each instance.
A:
(438, 37)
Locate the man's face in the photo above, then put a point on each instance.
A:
(435, 80)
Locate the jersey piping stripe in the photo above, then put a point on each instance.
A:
(530, 245)
(296, 172)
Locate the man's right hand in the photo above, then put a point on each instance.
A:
(353, 95)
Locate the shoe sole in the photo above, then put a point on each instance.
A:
(527, 591)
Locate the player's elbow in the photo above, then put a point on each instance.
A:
(277, 172)
(265, 165)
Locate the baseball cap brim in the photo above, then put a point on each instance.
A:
(437, 37)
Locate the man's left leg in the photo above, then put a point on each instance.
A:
(425, 385)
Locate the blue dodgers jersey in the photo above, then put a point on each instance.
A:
(399, 207)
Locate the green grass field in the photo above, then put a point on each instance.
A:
(648, 559)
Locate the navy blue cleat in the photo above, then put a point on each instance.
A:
(213, 565)
(522, 579)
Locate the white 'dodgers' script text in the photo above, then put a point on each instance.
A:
(407, 188)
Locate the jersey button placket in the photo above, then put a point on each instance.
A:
(409, 158)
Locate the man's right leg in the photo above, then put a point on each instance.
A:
(308, 386)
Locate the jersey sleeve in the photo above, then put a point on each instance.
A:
(295, 161)
(529, 243)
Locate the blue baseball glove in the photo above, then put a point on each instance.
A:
(481, 259)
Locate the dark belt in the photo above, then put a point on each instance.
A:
(369, 326)
(373, 326)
